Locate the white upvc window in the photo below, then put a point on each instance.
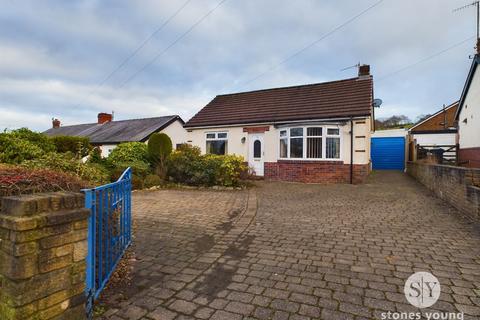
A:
(217, 143)
(310, 142)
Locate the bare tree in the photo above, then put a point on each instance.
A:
(422, 117)
(400, 121)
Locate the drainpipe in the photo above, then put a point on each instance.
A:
(351, 151)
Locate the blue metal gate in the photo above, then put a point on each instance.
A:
(388, 153)
(109, 232)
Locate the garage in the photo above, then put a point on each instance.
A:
(388, 149)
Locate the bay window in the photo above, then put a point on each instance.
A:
(283, 144)
(333, 143)
(296, 143)
(217, 143)
(312, 142)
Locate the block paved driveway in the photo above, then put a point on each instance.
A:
(296, 251)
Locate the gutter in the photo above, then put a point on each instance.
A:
(351, 150)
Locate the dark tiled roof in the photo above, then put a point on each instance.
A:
(115, 131)
(343, 98)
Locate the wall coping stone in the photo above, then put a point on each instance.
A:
(444, 166)
(31, 204)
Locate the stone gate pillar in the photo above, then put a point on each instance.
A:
(43, 245)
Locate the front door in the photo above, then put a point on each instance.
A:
(256, 153)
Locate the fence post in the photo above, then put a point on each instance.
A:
(90, 203)
(457, 146)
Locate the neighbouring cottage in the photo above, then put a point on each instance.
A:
(439, 129)
(107, 134)
(468, 117)
(317, 133)
(436, 132)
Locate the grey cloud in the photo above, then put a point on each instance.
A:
(55, 53)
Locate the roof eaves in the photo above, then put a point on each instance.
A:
(263, 122)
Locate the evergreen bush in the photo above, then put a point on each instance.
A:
(159, 148)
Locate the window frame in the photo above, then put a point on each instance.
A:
(324, 136)
(287, 139)
(216, 133)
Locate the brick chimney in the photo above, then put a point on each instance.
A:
(104, 117)
(478, 46)
(363, 70)
(55, 123)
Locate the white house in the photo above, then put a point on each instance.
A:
(107, 134)
(308, 133)
(468, 117)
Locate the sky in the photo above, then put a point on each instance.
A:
(55, 55)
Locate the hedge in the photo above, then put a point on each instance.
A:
(72, 144)
(17, 180)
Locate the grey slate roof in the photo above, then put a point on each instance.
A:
(116, 131)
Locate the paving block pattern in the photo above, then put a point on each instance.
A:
(298, 251)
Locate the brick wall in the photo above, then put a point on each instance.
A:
(315, 171)
(457, 185)
(469, 157)
(43, 245)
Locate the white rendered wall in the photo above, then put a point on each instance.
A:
(469, 132)
(197, 137)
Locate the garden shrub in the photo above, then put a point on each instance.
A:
(129, 152)
(14, 150)
(76, 145)
(152, 180)
(66, 162)
(23, 144)
(184, 165)
(95, 156)
(18, 180)
(229, 169)
(137, 182)
(159, 148)
(139, 168)
(187, 165)
(39, 139)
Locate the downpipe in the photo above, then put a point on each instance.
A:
(351, 151)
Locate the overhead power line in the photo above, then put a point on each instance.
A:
(178, 39)
(425, 59)
(308, 46)
(143, 44)
(134, 52)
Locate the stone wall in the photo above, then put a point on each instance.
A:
(315, 171)
(457, 185)
(43, 246)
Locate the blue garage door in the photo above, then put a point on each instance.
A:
(388, 153)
